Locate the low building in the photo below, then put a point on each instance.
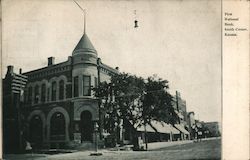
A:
(155, 132)
(212, 128)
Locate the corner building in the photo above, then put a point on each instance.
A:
(60, 107)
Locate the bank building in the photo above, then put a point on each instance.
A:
(59, 106)
(62, 107)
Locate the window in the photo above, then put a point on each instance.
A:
(36, 97)
(53, 91)
(43, 93)
(76, 91)
(96, 82)
(29, 94)
(86, 85)
(61, 89)
(48, 94)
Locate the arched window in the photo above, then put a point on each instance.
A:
(48, 94)
(61, 89)
(57, 127)
(53, 91)
(36, 97)
(43, 93)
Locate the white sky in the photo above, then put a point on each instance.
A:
(178, 40)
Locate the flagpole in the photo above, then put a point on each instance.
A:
(84, 13)
(84, 31)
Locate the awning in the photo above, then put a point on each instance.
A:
(181, 128)
(142, 129)
(161, 127)
(174, 130)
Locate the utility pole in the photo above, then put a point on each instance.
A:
(146, 137)
(96, 153)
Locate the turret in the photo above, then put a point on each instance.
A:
(84, 73)
(84, 52)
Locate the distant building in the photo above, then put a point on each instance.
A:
(213, 129)
(179, 105)
(191, 124)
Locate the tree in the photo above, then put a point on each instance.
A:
(157, 103)
(120, 100)
(135, 100)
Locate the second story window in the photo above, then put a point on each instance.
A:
(36, 97)
(96, 82)
(86, 85)
(76, 89)
(61, 89)
(53, 91)
(43, 93)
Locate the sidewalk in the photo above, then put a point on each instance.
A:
(106, 152)
(158, 145)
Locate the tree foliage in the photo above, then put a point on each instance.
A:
(135, 100)
(157, 103)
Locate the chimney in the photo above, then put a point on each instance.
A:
(51, 61)
(10, 69)
(20, 71)
(99, 61)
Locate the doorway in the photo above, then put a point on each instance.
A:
(86, 126)
(57, 127)
(36, 132)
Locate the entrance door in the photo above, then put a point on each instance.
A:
(57, 127)
(86, 126)
(36, 132)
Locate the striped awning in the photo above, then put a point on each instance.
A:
(174, 130)
(161, 127)
(181, 128)
(142, 128)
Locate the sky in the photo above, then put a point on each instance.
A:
(178, 40)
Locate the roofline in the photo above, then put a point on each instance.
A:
(108, 68)
(40, 69)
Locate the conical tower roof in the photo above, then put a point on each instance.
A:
(84, 45)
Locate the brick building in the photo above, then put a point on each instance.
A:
(59, 106)
(13, 119)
